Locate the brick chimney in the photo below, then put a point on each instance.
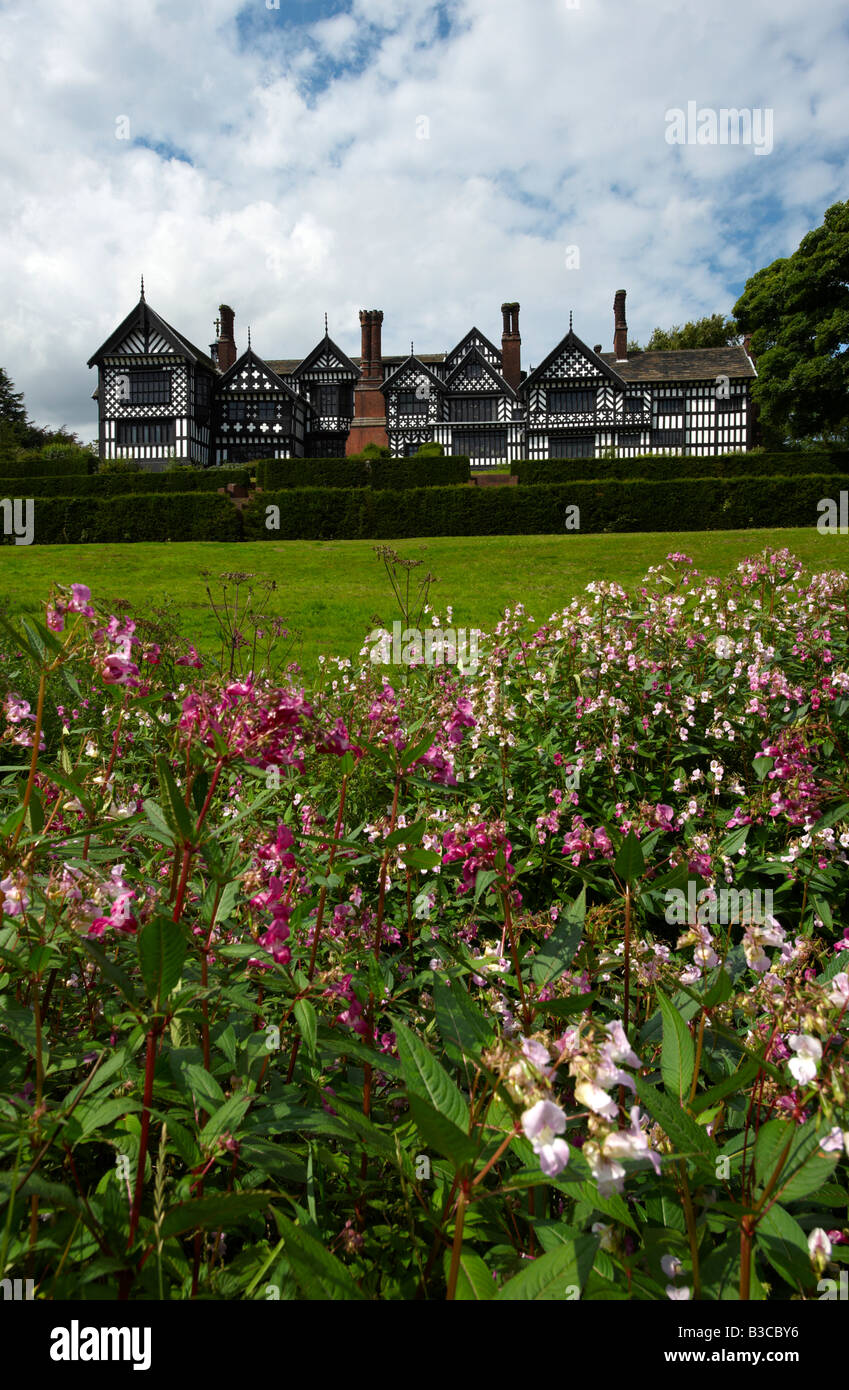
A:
(226, 339)
(511, 346)
(620, 328)
(369, 423)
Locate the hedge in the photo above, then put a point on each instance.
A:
(685, 504)
(162, 516)
(64, 461)
(682, 466)
(429, 471)
(120, 484)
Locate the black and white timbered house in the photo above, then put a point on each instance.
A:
(162, 398)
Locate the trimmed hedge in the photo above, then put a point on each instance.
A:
(686, 504)
(429, 471)
(61, 461)
(532, 471)
(121, 484)
(162, 516)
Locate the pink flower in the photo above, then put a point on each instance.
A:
(117, 670)
(192, 659)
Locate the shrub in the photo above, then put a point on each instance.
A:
(51, 461)
(428, 470)
(162, 516)
(119, 484)
(685, 504)
(681, 466)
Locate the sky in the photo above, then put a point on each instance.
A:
(297, 157)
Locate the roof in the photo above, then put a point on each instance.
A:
(268, 371)
(144, 318)
(285, 366)
(603, 361)
(692, 364)
(416, 363)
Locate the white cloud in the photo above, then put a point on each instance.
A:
(308, 188)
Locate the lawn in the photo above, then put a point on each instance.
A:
(328, 591)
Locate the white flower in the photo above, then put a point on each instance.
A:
(803, 1067)
(606, 1235)
(671, 1266)
(724, 648)
(839, 992)
(609, 1175)
(595, 1099)
(835, 1140)
(541, 1123)
(819, 1249)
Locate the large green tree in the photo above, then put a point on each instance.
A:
(713, 331)
(17, 431)
(797, 312)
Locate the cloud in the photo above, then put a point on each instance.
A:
(428, 159)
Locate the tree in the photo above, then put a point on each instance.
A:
(711, 332)
(12, 408)
(797, 312)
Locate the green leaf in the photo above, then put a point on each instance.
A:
(204, 1087)
(407, 835)
(176, 812)
(225, 1210)
(425, 1077)
(156, 816)
(677, 1059)
(225, 1119)
(463, 1029)
(111, 972)
(307, 1022)
(558, 952)
(762, 767)
(629, 863)
(475, 1284)
(12, 821)
(565, 1008)
(783, 1242)
(318, 1273)
(421, 858)
(20, 1025)
(412, 755)
(554, 1276)
(805, 1167)
(162, 951)
(442, 1134)
(688, 1137)
(746, 1072)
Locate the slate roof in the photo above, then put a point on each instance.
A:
(284, 366)
(695, 364)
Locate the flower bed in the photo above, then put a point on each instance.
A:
(521, 981)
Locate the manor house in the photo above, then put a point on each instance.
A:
(160, 397)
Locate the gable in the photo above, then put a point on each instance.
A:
(249, 373)
(144, 333)
(410, 375)
(474, 341)
(488, 378)
(327, 357)
(572, 361)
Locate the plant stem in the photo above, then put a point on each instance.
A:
(458, 1243)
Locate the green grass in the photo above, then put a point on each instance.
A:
(329, 590)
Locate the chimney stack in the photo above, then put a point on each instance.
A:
(369, 423)
(226, 339)
(620, 328)
(511, 346)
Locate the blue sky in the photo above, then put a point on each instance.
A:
(429, 159)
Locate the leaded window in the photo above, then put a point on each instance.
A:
(149, 388)
(571, 446)
(411, 404)
(670, 405)
(146, 432)
(476, 408)
(570, 402)
(479, 444)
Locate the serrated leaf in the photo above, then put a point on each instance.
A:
(475, 1284)
(305, 1017)
(156, 816)
(677, 1058)
(783, 1242)
(553, 1276)
(629, 863)
(463, 1029)
(111, 972)
(804, 1169)
(225, 1119)
(557, 953)
(162, 951)
(687, 1137)
(174, 807)
(425, 1077)
(441, 1134)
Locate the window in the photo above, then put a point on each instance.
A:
(567, 402)
(201, 391)
(325, 446)
(149, 388)
(235, 410)
(571, 446)
(242, 453)
(633, 405)
(473, 408)
(670, 405)
(264, 410)
(146, 432)
(729, 405)
(411, 404)
(489, 444)
(667, 439)
(331, 399)
(474, 370)
(409, 450)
